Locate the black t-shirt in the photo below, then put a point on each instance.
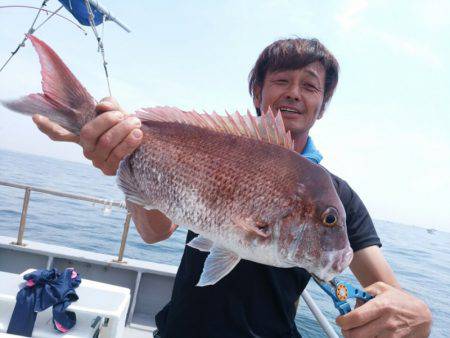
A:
(253, 300)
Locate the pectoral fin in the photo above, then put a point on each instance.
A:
(201, 243)
(218, 264)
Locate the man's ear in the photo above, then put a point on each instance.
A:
(257, 97)
(322, 111)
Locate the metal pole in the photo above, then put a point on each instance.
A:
(321, 319)
(23, 218)
(108, 14)
(126, 227)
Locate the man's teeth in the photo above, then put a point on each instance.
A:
(288, 110)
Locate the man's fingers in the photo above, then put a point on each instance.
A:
(378, 288)
(359, 302)
(107, 104)
(53, 130)
(89, 155)
(364, 314)
(92, 131)
(114, 136)
(368, 311)
(380, 327)
(126, 147)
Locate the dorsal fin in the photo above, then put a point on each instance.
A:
(268, 128)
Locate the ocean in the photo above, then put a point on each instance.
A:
(419, 258)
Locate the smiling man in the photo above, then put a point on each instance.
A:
(296, 77)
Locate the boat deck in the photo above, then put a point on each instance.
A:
(150, 283)
(132, 332)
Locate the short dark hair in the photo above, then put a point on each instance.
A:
(289, 54)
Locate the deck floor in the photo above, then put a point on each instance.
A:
(133, 332)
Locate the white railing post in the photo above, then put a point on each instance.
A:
(23, 217)
(126, 227)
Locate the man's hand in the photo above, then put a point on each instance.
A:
(105, 140)
(392, 313)
(53, 130)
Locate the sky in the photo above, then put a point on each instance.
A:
(386, 130)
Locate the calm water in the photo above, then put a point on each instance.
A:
(420, 260)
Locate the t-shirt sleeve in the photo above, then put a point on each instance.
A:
(360, 228)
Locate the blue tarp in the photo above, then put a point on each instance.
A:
(80, 12)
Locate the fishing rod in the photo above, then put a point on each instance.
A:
(87, 13)
(101, 49)
(108, 15)
(32, 29)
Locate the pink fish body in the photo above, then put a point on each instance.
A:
(234, 180)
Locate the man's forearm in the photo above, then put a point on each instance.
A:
(152, 225)
(369, 266)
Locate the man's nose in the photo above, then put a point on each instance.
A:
(293, 92)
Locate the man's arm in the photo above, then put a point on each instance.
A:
(393, 312)
(370, 266)
(152, 225)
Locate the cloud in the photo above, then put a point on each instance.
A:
(412, 48)
(350, 16)
(400, 173)
(352, 20)
(433, 13)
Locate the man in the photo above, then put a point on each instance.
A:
(296, 77)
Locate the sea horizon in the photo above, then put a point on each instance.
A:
(86, 163)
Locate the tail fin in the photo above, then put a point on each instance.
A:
(64, 101)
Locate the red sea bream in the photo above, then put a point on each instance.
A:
(234, 180)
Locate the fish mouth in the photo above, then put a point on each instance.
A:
(326, 253)
(344, 260)
(333, 264)
(325, 266)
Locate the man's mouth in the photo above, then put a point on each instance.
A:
(289, 110)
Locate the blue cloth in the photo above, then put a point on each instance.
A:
(45, 288)
(80, 12)
(310, 151)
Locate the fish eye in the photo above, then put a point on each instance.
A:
(330, 217)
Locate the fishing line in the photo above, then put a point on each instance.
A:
(48, 11)
(99, 41)
(31, 30)
(49, 17)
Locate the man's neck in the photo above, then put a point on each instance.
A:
(299, 141)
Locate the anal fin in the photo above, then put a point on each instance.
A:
(218, 264)
(201, 243)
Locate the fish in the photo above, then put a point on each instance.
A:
(234, 180)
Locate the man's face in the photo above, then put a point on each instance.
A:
(298, 94)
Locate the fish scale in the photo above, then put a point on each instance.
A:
(235, 180)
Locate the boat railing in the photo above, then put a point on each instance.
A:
(315, 310)
(108, 203)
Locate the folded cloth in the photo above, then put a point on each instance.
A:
(45, 288)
